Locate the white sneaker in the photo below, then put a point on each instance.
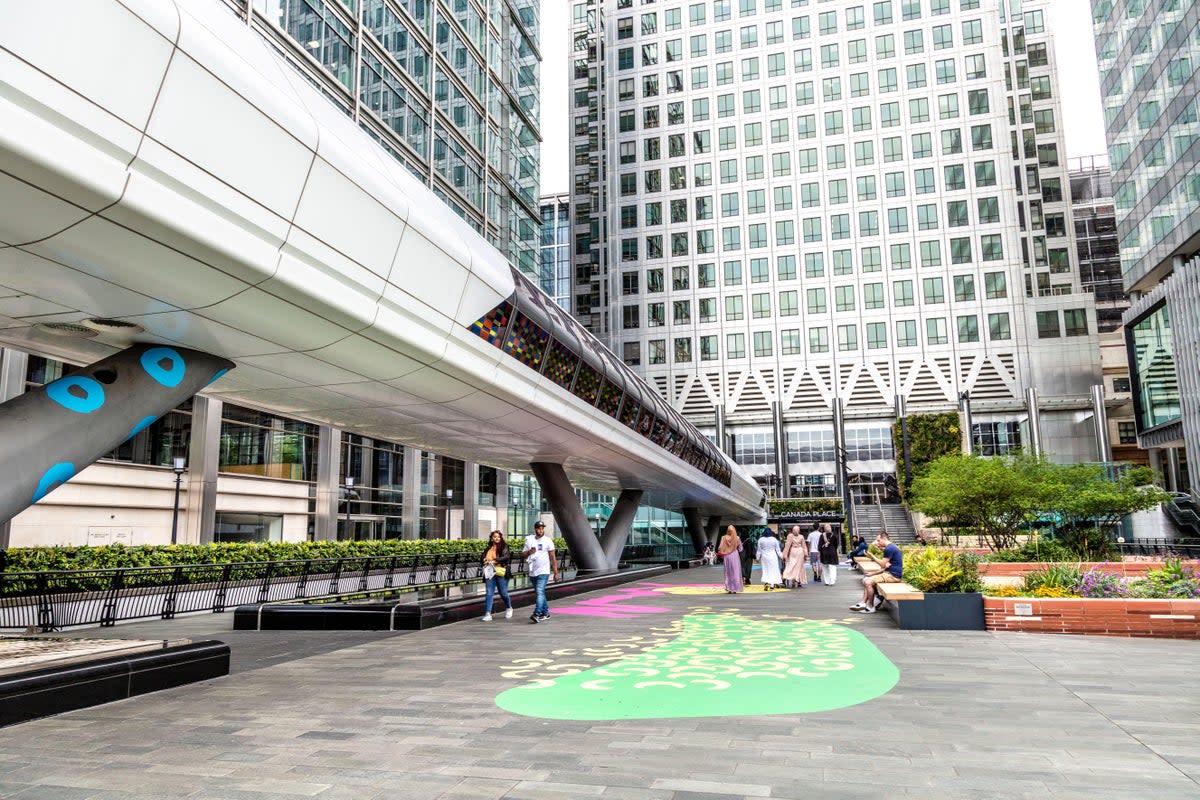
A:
(865, 610)
(857, 606)
(508, 613)
(487, 617)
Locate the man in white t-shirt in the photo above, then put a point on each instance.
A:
(814, 556)
(539, 555)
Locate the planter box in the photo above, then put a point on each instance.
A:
(949, 611)
(1128, 569)
(1163, 619)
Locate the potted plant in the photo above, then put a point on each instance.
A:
(952, 600)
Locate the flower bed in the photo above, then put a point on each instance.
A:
(1167, 619)
(1128, 569)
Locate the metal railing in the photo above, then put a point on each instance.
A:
(53, 600)
(1161, 547)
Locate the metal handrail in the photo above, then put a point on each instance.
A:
(52, 600)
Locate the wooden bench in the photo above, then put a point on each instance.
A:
(864, 564)
(897, 592)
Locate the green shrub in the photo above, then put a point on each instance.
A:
(39, 559)
(1056, 577)
(1036, 549)
(935, 569)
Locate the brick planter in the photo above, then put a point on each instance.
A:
(1128, 569)
(1164, 619)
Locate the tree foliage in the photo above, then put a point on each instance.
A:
(998, 497)
(930, 437)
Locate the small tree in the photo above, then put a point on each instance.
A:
(1092, 503)
(995, 496)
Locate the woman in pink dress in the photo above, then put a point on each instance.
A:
(795, 556)
(728, 550)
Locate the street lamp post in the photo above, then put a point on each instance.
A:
(596, 517)
(449, 497)
(178, 466)
(349, 494)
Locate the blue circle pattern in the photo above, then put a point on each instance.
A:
(167, 377)
(60, 392)
(141, 426)
(60, 473)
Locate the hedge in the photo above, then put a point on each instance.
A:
(37, 559)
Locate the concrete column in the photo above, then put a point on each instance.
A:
(839, 446)
(470, 526)
(712, 529)
(719, 413)
(412, 493)
(1100, 418)
(905, 454)
(1035, 420)
(620, 525)
(1174, 478)
(329, 486)
(1155, 456)
(14, 365)
(965, 423)
(198, 503)
(780, 450)
(695, 528)
(569, 517)
(502, 502)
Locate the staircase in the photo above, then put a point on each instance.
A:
(898, 523)
(870, 519)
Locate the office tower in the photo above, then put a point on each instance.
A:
(1148, 55)
(450, 89)
(814, 205)
(554, 268)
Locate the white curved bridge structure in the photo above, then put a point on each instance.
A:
(161, 165)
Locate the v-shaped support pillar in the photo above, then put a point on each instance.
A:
(591, 554)
(701, 534)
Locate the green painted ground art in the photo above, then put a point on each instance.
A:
(720, 665)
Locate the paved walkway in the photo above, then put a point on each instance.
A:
(861, 707)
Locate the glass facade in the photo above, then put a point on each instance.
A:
(1152, 357)
(554, 273)
(447, 87)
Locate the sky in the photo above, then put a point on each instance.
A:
(1075, 51)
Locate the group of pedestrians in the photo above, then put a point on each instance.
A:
(782, 564)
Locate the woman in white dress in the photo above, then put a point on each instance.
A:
(770, 557)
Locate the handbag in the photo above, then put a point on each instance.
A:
(488, 571)
(501, 572)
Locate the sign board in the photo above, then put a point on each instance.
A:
(1023, 609)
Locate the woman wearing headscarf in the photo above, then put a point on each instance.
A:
(795, 556)
(829, 555)
(770, 556)
(729, 549)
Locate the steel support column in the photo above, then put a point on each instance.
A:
(570, 520)
(204, 457)
(1033, 409)
(329, 483)
(712, 529)
(50, 434)
(1100, 417)
(619, 525)
(13, 366)
(695, 528)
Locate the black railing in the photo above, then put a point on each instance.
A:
(1161, 548)
(50, 601)
(658, 553)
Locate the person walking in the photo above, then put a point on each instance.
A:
(729, 549)
(828, 549)
(770, 557)
(496, 561)
(749, 548)
(795, 556)
(539, 555)
(814, 551)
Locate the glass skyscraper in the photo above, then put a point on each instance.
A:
(554, 273)
(1149, 54)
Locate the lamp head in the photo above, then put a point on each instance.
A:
(349, 481)
(179, 465)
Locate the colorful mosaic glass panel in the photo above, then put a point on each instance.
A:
(646, 424)
(629, 412)
(610, 399)
(661, 434)
(490, 327)
(526, 341)
(587, 384)
(561, 364)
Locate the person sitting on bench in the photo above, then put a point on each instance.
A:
(891, 571)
